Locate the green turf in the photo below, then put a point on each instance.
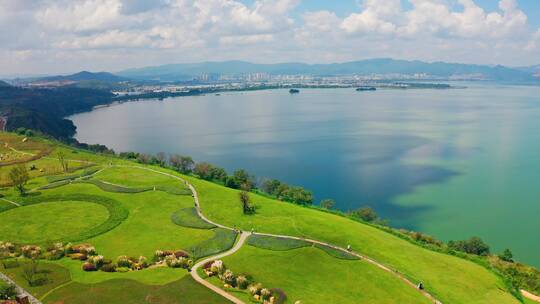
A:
(117, 212)
(340, 254)
(451, 279)
(49, 276)
(276, 243)
(72, 176)
(311, 276)
(122, 291)
(51, 221)
(188, 217)
(223, 240)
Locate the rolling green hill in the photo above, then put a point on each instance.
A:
(125, 232)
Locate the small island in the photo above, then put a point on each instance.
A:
(364, 88)
(294, 91)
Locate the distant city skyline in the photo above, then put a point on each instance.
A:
(48, 37)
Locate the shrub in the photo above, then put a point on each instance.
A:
(7, 291)
(122, 269)
(242, 282)
(254, 288)
(217, 267)
(228, 277)
(280, 296)
(97, 260)
(79, 256)
(181, 253)
(89, 267)
(474, 245)
(143, 261)
(31, 251)
(265, 294)
(123, 261)
(108, 267)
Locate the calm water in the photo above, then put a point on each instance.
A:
(452, 163)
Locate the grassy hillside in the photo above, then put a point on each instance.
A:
(123, 209)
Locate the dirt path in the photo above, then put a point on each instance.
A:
(530, 296)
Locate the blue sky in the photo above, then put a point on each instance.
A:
(47, 36)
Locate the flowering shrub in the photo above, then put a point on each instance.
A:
(123, 261)
(217, 267)
(143, 261)
(229, 278)
(7, 250)
(254, 288)
(97, 260)
(265, 294)
(242, 282)
(108, 267)
(181, 253)
(31, 251)
(89, 267)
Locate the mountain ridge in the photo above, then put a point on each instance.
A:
(377, 66)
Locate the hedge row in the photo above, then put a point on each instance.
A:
(86, 172)
(117, 212)
(223, 240)
(276, 243)
(188, 217)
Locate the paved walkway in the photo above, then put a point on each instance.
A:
(20, 290)
(530, 296)
(196, 277)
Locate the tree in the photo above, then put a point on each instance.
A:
(29, 272)
(240, 179)
(507, 256)
(19, 177)
(365, 213)
(160, 158)
(271, 186)
(327, 204)
(7, 291)
(203, 170)
(474, 245)
(184, 164)
(63, 162)
(143, 158)
(246, 203)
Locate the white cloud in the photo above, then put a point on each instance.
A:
(123, 33)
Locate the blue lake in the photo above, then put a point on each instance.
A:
(452, 163)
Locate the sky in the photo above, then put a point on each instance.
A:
(63, 36)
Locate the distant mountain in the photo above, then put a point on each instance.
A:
(534, 70)
(85, 76)
(178, 72)
(4, 84)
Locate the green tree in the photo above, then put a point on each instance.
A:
(365, 213)
(63, 162)
(474, 245)
(507, 255)
(19, 177)
(29, 272)
(327, 204)
(246, 202)
(184, 164)
(271, 186)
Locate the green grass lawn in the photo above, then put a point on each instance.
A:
(450, 279)
(49, 276)
(311, 276)
(121, 223)
(50, 221)
(123, 291)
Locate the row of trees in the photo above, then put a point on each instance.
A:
(240, 179)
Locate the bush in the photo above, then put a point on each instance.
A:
(123, 261)
(7, 291)
(122, 269)
(280, 296)
(108, 267)
(366, 214)
(242, 282)
(474, 245)
(89, 267)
